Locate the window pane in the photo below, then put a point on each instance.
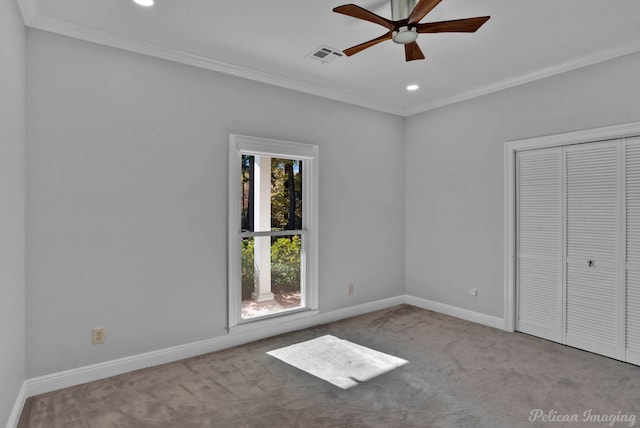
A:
(286, 194)
(271, 194)
(271, 275)
(246, 211)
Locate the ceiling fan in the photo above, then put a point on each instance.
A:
(404, 25)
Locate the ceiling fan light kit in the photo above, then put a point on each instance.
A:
(405, 26)
(405, 35)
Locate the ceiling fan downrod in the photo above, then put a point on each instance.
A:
(401, 9)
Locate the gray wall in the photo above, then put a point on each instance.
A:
(12, 206)
(454, 179)
(127, 176)
(127, 198)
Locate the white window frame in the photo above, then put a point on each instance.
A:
(510, 150)
(246, 145)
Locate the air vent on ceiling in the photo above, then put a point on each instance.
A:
(326, 54)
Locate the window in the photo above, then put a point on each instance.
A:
(273, 237)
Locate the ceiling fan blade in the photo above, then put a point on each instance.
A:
(421, 10)
(412, 51)
(360, 13)
(362, 46)
(469, 25)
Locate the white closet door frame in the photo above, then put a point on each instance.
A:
(632, 265)
(510, 150)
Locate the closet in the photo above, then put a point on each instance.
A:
(578, 246)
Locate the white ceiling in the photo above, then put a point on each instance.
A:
(268, 41)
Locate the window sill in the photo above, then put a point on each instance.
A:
(275, 320)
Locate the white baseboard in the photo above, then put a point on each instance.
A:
(80, 375)
(16, 411)
(457, 312)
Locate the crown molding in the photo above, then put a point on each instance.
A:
(35, 20)
(145, 48)
(29, 10)
(572, 64)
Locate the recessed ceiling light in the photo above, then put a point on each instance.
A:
(412, 87)
(145, 3)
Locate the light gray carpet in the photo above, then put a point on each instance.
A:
(459, 374)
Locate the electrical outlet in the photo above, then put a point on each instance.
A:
(350, 289)
(473, 291)
(97, 335)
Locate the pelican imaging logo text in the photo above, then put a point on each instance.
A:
(610, 419)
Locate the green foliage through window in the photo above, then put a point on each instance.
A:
(285, 265)
(286, 193)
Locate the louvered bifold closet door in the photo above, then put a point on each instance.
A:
(539, 243)
(592, 234)
(632, 167)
